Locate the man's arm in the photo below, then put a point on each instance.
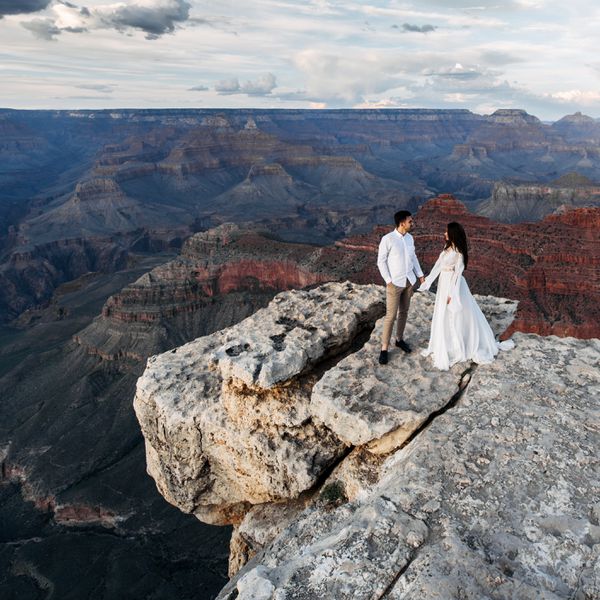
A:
(415, 262)
(382, 257)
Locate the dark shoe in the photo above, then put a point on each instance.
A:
(403, 346)
(383, 358)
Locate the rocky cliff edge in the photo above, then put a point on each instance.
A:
(347, 479)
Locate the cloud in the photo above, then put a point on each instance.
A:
(417, 28)
(198, 88)
(262, 86)
(228, 86)
(345, 80)
(457, 72)
(580, 97)
(154, 17)
(499, 58)
(97, 87)
(383, 103)
(43, 29)
(17, 7)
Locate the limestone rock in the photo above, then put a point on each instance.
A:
(362, 401)
(495, 498)
(226, 418)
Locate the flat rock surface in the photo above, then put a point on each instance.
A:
(362, 401)
(496, 498)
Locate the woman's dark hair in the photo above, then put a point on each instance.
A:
(458, 238)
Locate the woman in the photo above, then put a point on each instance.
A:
(459, 331)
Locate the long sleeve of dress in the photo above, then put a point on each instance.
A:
(459, 267)
(382, 258)
(432, 275)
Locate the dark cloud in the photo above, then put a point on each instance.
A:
(418, 28)
(154, 20)
(458, 73)
(198, 88)
(44, 29)
(17, 7)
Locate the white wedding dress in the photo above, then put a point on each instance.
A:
(459, 330)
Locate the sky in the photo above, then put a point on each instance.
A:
(481, 55)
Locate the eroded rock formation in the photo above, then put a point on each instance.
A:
(477, 482)
(550, 266)
(511, 203)
(238, 412)
(227, 273)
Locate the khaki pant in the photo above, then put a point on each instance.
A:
(397, 301)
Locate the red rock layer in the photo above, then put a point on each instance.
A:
(552, 266)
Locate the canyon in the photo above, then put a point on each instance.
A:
(126, 234)
(141, 180)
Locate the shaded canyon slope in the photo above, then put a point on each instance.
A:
(348, 479)
(81, 190)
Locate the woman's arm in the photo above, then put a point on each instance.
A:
(432, 275)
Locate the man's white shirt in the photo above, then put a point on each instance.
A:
(397, 260)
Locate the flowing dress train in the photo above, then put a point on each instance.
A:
(459, 330)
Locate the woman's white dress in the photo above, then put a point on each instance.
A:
(459, 330)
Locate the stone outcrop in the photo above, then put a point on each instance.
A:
(495, 498)
(237, 405)
(370, 407)
(222, 276)
(476, 482)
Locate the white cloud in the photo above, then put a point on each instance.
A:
(262, 86)
(582, 97)
(228, 86)
(288, 54)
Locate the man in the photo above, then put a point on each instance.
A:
(399, 267)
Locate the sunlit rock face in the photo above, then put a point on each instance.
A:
(227, 418)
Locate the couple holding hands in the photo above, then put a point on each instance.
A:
(459, 330)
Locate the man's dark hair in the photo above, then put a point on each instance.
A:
(401, 216)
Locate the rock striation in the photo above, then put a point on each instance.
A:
(550, 266)
(532, 202)
(227, 273)
(148, 179)
(476, 482)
